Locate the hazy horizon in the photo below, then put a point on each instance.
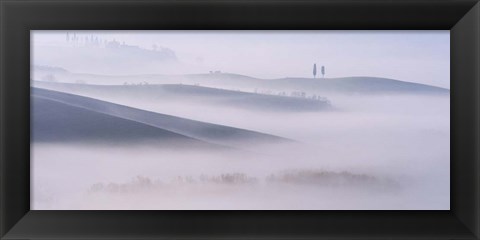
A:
(412, 56)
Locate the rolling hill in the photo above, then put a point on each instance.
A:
(196, 94)
(346, 85)
(55, 121)
(90, 118)
(357, 85)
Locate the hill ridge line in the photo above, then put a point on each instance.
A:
(125, 118)
(156, 113)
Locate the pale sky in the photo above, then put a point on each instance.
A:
(414, 56)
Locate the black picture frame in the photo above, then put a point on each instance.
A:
(18, 17)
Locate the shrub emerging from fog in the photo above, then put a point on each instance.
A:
(137, 184)
(141, 183)
(315, 178)
(227, 178)
(324, 178)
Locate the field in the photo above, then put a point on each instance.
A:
(228, 141)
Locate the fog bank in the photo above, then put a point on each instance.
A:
(402, 142)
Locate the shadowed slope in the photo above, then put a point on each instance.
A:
(54, 121)
(195, 129)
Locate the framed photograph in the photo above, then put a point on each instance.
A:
(240, 119)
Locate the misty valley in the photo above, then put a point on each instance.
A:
(229, 141)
